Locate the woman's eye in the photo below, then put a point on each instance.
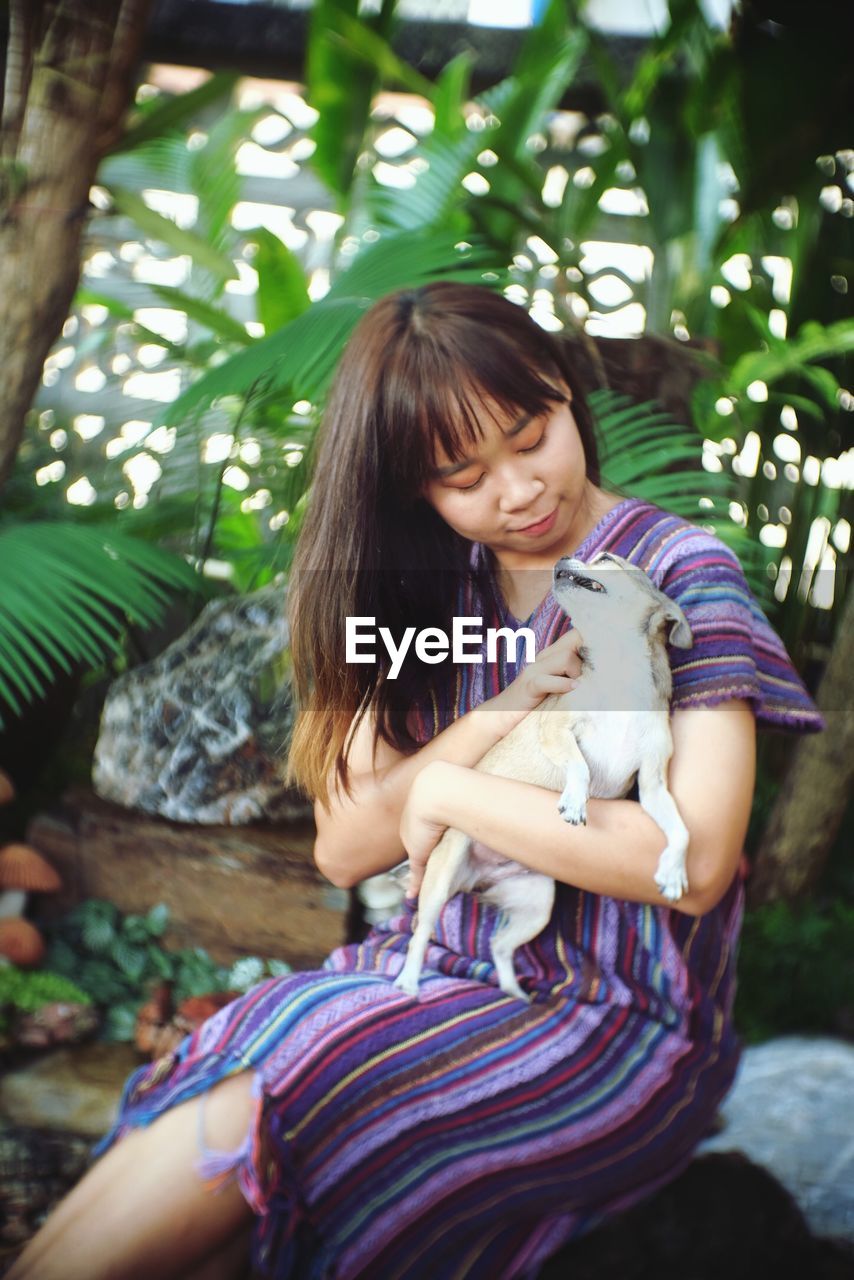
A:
(532, 447)
(466, 488)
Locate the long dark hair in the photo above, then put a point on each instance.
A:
(415, 373)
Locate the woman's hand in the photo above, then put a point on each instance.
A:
(421, 826)
(554, 670)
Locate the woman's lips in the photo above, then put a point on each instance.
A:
(542, 526)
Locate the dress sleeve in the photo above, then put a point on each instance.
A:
(736, 653)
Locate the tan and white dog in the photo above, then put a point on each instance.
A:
(613, 727)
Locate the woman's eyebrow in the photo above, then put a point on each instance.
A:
(440, 473)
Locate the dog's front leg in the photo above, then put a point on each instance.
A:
(560, 745)
(572, 805)
(671, 875)
(445, 873)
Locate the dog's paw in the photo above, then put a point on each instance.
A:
(407, 982)
(513, 989)
(671, 875)
(573, 808)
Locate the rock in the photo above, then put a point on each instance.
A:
(236, 891)
(76, 1090)
(197, 735)
(723, 1216)
(36, 1169)
(791, 1110)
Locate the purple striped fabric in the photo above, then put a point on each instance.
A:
(467, 1135)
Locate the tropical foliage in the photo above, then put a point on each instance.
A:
(117, 959)
(498, 188)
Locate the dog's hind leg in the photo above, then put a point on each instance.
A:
(445, 873)
(526, 903)
(671, 875)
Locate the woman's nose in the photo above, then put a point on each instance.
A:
(519, 490)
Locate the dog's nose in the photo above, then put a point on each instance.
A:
(566, 567)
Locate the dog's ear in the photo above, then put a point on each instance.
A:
(681, 635)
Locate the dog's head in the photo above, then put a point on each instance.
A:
(613, 594)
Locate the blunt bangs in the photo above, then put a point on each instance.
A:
(439, 388)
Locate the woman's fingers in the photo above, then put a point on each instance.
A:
(545, 684)
(554, 670)
(561, 657)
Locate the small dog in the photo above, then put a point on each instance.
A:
(612, 727)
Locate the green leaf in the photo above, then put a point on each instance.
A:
(160, 963)
(167, 113)
(215, 179)
(282, 289)
(450, 95)
(245, 973)
(213, 318)
(645, 454)
(130, 959)
(801, 404)
(157, 919)
(135, 929)
(120, 310)
(98, 934)
(66, 591)
(61, 958)
(549, 57)
(823, 381)
(179, 239)
(355, 38)
(340, 90)
(812, 342)
(120, 1022)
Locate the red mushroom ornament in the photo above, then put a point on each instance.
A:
(21, 943)
(23, 870)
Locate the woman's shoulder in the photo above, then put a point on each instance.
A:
(736, 654)
(659, 541)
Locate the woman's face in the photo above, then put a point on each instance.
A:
(522, 489)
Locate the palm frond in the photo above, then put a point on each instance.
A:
(158, 162)
(214, 176)
(645, 454)
(179, 239)
(639, 443)
(171, 112)
(67, 592)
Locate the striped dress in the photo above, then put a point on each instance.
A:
(466, 1135)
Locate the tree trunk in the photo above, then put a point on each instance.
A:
(68, 81)
(811, 803)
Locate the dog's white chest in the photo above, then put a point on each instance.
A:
(612, 743)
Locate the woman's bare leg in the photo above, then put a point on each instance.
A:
(142, 1210)
(229, 1261)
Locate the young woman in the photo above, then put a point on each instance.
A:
(465, 1134)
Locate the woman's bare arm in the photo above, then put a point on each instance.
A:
(360, 836)
(616, 853)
